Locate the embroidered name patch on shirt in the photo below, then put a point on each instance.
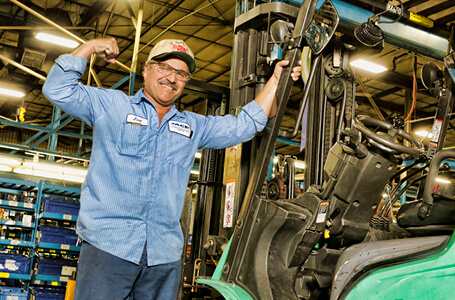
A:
(180, 128)
(136, 120)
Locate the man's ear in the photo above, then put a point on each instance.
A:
(144, 74)
(146, 69)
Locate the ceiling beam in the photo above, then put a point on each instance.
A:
(412, 3)
(95, 10)
(394, 107)
(437, 8)
(447, 19)
(395, 79)
(387, 92)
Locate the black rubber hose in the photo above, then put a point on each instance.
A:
(431, 181)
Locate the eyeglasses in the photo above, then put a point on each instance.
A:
(167, 70)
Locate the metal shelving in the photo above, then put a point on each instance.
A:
(40, 190)
(57, 217)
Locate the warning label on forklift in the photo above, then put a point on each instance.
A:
(322, 212)
(229, 203)
(436, 130)
(432, 149)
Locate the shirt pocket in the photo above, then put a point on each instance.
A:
(132, 140)
(178, 150)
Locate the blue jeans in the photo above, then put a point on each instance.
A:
(101, 275)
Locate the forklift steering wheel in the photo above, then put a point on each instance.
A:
(386, 141)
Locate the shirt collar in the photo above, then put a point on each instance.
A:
(140, 96)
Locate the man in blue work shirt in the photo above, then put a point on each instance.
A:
(142, 154)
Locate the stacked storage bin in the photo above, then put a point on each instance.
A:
(55, 266)
(60, 206)
(8, 293)
(14, 263)
(57, 235)
(55, 230)
(47, 293)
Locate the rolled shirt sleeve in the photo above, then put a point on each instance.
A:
(63, 89)
(227, 131)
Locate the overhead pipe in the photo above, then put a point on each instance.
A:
(172, 25)
(40, 16)
(93, 57)
(109, 18)
(137, 41)
(23, 68)
(44, 27)
(130, 11)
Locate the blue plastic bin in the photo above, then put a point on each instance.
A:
(57, 235)
(7, 293)
(60, 206)
(47, 293)
(14, 263)
(53, 266)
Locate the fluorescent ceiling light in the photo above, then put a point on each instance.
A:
(198, 155)
(45, 174)
(10, 161)
(299, 164)
(195, 172)
(34, 153)
(56, 40)
(55, 168)
(422, 133)
(5, 168)
(12, 93)
(440, 180)
(368, 66)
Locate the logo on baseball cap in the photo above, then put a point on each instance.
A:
(173, 48)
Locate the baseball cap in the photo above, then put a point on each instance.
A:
(173, 48)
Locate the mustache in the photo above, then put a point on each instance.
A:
(167, 82)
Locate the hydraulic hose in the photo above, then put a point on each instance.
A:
(431, 181)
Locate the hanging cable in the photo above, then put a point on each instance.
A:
(414, 90)
(419, 160)
(381, 212)
(400, 14)
(389, 204)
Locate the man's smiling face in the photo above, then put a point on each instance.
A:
(164, 90)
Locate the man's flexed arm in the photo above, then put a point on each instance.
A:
(266, 97)
(62, 86)
(107, 49)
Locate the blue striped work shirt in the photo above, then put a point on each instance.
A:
(136, 182)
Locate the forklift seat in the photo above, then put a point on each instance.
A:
(441, 219)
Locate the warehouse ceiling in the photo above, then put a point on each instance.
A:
(207, 26)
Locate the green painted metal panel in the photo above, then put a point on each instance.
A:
(230, 291)
(432, 277)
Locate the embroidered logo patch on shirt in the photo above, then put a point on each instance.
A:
(136, 120)
(180, 128)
